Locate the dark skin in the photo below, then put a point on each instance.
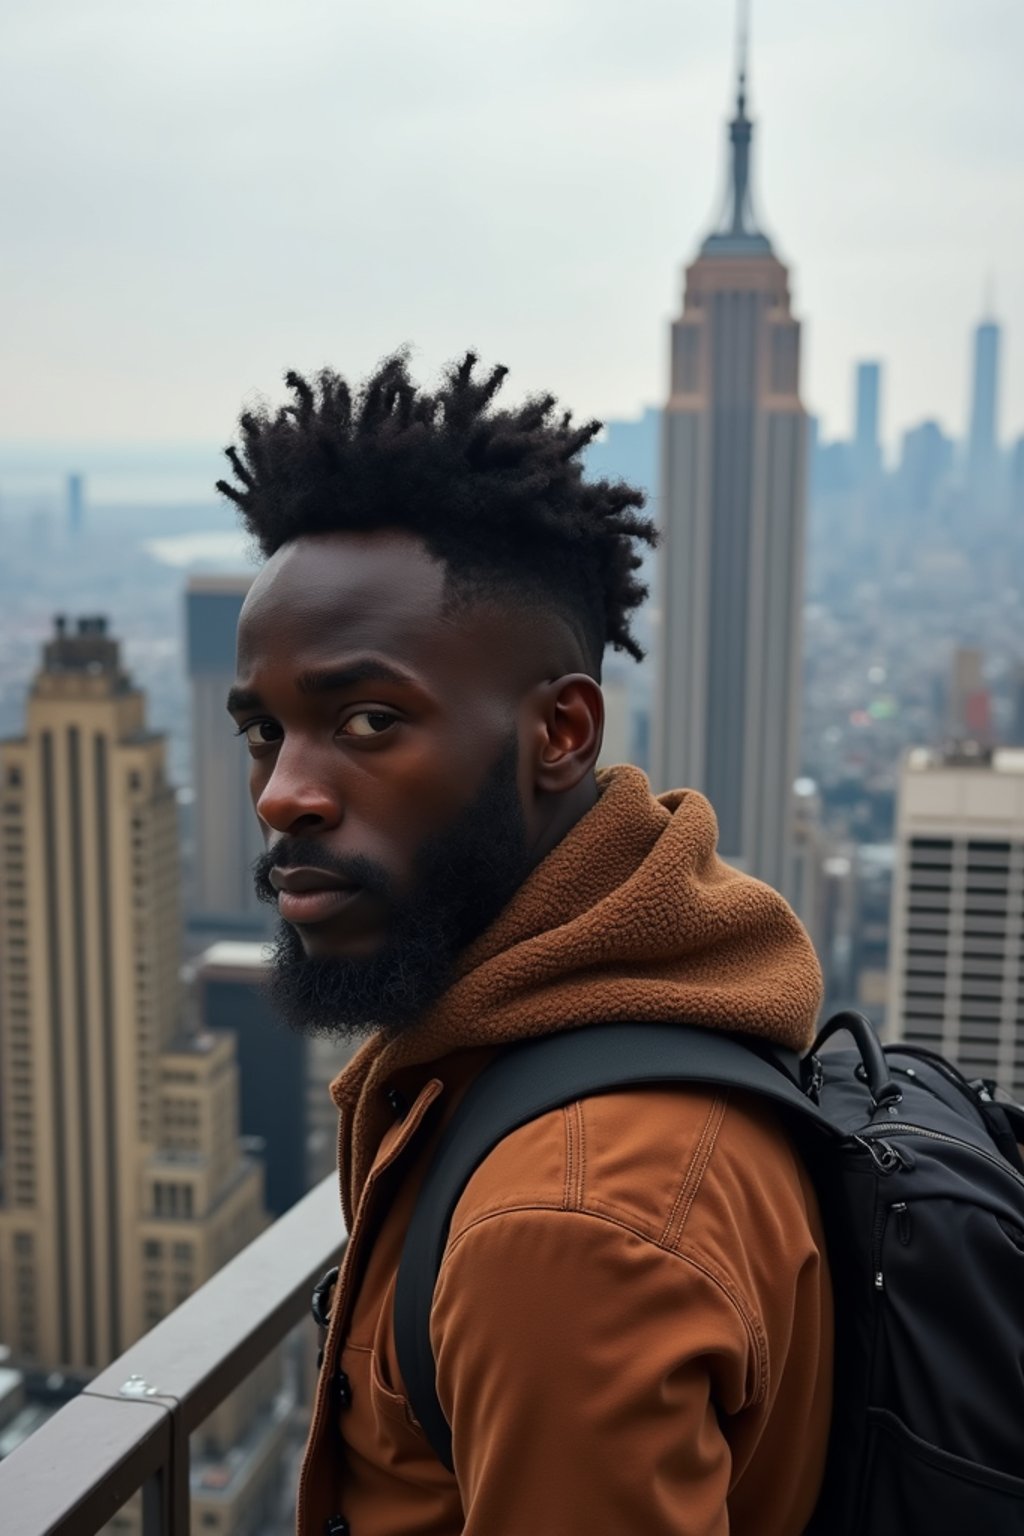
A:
(377, 767)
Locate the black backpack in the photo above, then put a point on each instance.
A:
(921, 1186)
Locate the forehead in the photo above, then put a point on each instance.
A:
(350, 589)
(325, 595)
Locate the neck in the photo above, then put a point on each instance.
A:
(566, 811)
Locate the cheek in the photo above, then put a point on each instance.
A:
(414, 793)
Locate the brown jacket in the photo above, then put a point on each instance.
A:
(632, 1324)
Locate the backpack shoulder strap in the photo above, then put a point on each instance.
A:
(527, 1081)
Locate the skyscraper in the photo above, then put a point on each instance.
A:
(103, 1220)
(732, 511)
(1017, 480)
(867, 449)
(925, 462)
(957, 963)
(1017, 705)
(75, 504)
(970, 704)
(124, 1184)
(227, 834)
(983, 438)
(272, 1064)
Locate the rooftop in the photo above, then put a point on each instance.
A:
(966, 754)
(234, 955)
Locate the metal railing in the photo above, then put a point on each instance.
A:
(129, 1428)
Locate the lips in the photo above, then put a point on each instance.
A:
(311, 895)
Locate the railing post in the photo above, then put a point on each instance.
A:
(167, 1497)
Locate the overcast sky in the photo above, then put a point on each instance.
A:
(197, 194)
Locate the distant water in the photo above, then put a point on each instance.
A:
(218, 548)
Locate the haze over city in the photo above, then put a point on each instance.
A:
(783, 267)
(204, 196)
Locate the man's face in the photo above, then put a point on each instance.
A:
(386, 763)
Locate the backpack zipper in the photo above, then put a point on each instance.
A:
(901, 1211)
(880, 1132)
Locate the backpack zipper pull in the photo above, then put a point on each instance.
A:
(902, 1213)
(884, 1156)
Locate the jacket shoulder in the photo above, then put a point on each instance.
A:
(680, 1165)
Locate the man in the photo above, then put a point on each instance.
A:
(632, 1323)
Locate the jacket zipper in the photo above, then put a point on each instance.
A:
(323, 1374)
(355, 1238)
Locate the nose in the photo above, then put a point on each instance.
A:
(298, 797)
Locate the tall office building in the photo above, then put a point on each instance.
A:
(102, 1090)
(809, 852)
(75, 504)
(1017, 480)
(1017, 705)
(124, 1185)
(732, 515)
(867, 448)
(273, 1064)
(970, 703)
(957, 941)
(983, 435)
(926, 459)
(227, 835)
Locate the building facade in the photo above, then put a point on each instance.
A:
(867, 447)
(732, 511)
(226, 832)
(123, 1182)
(983, 430)
(957, 944)
(273, 1063)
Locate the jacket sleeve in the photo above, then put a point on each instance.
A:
(579, 1366)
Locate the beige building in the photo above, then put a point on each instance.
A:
(123, 1183)
(957, 943)
(732, 514)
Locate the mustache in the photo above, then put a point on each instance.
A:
(298, 852)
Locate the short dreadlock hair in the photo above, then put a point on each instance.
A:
(497, 495)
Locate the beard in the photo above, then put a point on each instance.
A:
(462, 879)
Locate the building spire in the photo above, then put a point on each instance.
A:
(742, 41)
(737, 232)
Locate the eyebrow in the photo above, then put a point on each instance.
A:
(326, 680)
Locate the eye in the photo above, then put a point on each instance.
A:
(374, 717)
(253, 733)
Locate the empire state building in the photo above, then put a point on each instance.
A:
(733, 511)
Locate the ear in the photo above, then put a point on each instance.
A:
(567, 731)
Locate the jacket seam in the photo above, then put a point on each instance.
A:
(695, 1171)
(581, 1168)
(752, 1324)
(567, 1184)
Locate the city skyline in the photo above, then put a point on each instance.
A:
(177, 295)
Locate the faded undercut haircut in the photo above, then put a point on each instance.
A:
(497, 495)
